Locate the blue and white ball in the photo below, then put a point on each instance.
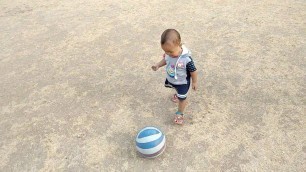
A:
(150, 142)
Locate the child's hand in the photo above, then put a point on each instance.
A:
(155, 67)
(194, 86)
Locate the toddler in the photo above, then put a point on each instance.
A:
(180, 70)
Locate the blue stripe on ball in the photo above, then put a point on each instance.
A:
(151, 144)
(148, 132)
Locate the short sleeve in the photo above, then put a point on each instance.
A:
(191, 67)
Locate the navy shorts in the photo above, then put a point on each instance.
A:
(180, 89)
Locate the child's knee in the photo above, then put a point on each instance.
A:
(181, 97)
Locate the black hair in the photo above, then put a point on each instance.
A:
(170, 35)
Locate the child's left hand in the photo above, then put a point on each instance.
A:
(194, 86)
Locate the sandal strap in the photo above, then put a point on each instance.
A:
(178, 113)
(175, 96)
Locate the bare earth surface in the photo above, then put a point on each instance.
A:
(76, 85)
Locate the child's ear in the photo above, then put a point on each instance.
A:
(175, 42)
(179, 43)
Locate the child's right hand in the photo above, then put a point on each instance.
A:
(155, 67)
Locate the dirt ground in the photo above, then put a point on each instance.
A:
(76, 85)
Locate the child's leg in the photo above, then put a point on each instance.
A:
(182, 95)
(179, 115)
(182, 91)
(182, 105)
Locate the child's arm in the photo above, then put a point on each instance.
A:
(159, 64)
(194, 74)
(194, 77)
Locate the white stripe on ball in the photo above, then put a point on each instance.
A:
(152, 150)
(149, 138)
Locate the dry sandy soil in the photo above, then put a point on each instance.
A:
(76, 85)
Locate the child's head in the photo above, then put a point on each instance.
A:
(171, 42)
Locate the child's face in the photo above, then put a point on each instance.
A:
(172, 49)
